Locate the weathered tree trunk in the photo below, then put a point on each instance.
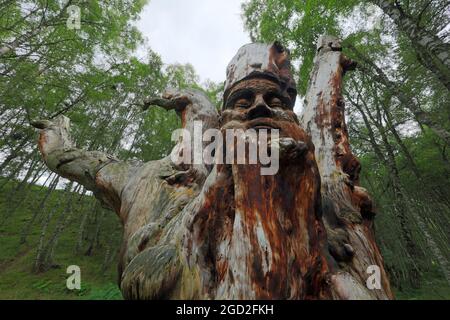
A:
(223, 231)
(348, 211)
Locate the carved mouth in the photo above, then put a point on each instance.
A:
(262, 127)
(263, 123)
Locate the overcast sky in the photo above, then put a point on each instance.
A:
(205, 33)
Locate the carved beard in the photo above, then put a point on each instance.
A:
(268, 241)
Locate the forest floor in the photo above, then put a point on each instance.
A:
(17, 281)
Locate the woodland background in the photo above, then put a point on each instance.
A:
(397, 106)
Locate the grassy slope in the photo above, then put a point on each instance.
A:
(17, 281)
(16, 261)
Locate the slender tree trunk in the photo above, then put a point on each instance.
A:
(402, 207)
(18, 193)
(16, 170)
(433, 53)
(436, 193)
(41, 254)
(26, 230)
(81, 229)
(414, 250)
(61, 224)
(443, 262)
(38, 262)
(110, 252)
(13, 154)
(422, 117)
(94, 241)
(399, 140)
(403, 204)
(372, 139)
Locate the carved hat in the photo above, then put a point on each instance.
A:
(260, 60)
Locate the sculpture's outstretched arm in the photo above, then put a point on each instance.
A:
(347, 208)
(99, 172)
(197, 115)
(104, 174)
(190, 104)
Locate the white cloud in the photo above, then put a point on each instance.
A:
(205, 33)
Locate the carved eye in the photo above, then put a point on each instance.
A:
(276, 103)
(242, 103)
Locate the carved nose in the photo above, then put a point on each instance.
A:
(260, 110)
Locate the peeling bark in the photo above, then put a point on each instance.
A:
(225, 231)
(347, 207)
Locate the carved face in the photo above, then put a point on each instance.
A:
(259, 103)
(266, 222)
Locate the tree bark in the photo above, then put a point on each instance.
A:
(348, 211)
(432, 52)
(224, 231)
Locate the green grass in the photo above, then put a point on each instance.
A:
(431, 289)
(17, 281)
(433, 286)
